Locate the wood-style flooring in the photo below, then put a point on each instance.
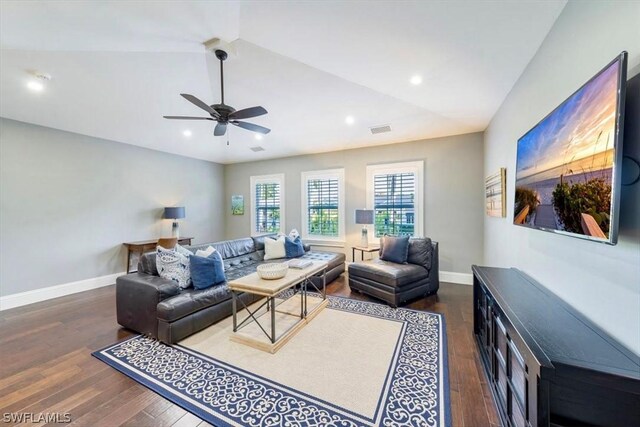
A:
(46, 364)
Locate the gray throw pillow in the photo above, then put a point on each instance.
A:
(420, 252)
(395, 249)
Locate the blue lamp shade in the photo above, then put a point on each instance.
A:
(364, 216)
(176, 212)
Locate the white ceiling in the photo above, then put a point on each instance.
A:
(118, 67)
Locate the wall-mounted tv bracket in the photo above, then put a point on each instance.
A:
(637, 178)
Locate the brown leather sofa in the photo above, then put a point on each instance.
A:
(399, 283)
(148, 304)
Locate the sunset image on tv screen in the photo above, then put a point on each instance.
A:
(565, 164)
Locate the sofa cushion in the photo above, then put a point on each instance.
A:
(191, 300)
(206, 271)
(293, 247)
(389, 273)
(174, 266)
(240, 270)
(333, 259)
(258, 241)
(420, 252)
(274, 248)
(229, 248)
(182, 250)
(205, 252)
(394, 249)
(147, 264)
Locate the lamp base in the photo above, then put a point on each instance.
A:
(175, 230)
(364, 237)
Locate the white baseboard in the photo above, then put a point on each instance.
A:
(459, 278)
(37, 295)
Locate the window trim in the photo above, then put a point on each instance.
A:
(323, 174)
(416, 167)
(267, 179)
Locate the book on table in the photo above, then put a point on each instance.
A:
(299, 263)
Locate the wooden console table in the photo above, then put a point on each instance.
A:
(143, 246)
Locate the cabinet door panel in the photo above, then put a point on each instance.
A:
(517, 417)
(518, 374)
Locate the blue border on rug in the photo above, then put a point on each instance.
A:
(298, 404)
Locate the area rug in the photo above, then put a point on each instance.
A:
(355, 364)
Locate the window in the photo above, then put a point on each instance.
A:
(267, 196)
(323, 205)
(394, 192)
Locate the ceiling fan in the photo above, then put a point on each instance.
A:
(222, 113)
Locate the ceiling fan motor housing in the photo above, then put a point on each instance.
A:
(224, 110)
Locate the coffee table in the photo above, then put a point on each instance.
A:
(282, 316)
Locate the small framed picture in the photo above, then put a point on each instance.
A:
(237, 204)
(496, 203)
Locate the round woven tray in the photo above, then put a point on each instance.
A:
(272, 271)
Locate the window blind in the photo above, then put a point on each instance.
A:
(267, 206)
(323, 207)
(394, 204)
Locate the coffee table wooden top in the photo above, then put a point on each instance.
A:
(269, 288)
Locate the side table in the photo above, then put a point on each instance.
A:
(362, 249)
(143, 246)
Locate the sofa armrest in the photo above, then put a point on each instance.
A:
(137, 298)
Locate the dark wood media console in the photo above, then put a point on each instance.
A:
(546, 363)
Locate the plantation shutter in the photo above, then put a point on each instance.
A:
(267, 205)
(322, 207)
(394, 204)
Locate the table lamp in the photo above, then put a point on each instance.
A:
(364, 217)
(175, 213)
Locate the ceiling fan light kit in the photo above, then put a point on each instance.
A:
(222, 113)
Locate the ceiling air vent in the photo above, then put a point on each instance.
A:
(256, 149)
(380, 129)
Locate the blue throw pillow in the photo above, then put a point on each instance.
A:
(207, 272)
(395, 249)
(293, 248)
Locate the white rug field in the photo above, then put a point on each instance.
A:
(355, 364)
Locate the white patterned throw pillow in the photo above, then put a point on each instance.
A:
(184, 251)
(174, 266)
(274, 249)
(293, 234)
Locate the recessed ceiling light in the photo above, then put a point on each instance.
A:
(349, 120)
(416, 80)
(258, 136)
(37, 80)
(35, 86)
(187, 133)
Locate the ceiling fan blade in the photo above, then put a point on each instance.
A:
(220, 129)
(251, 127)
(187, 118)
(195, 101)
(247, 113)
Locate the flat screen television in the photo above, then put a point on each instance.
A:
(568, 166)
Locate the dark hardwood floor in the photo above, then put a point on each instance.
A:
(46, 364)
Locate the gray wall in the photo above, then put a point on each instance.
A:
(68, 201)
(454, 188)
(601, 281)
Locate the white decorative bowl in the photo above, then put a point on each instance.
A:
(272, 271)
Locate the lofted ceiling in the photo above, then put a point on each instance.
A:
(118, 67)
